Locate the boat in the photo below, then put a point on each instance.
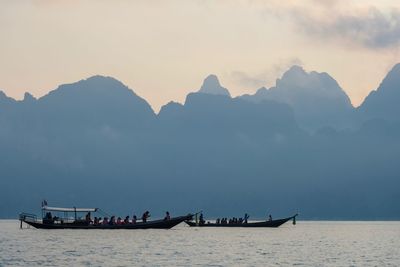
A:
(75, 222)
(269, 223)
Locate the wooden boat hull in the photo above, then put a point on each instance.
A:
(157, 224)
(273, 223)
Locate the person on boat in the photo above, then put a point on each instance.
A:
(167, 216)
(119, 221)
(48, 216)
(126, 221)
(145, 216)
(87, 218)
(201, 219)
(217, 221)
(112, 220)
(246, 217)
(270, 218)
(95, 221)
(105, 221)
(134, 219)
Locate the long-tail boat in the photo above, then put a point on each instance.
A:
(268, 223)
(76, 222)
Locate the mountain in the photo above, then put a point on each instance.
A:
(91, 103)
(384, 102)
(96, 143)
(5, 101)
(212, 86)
(316, 98)
(212, 114)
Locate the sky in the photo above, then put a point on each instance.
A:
(164, 49)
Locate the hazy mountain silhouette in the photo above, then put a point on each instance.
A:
(96, 143)
(384, 102)
(316, 99)
(212, 86)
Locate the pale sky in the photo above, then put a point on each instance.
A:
(164, 49)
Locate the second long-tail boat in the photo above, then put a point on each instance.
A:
(268, 223)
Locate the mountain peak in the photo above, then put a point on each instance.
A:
(392, 79)
(212, 86)
(28, 97)
(5, 99)
(384, 101)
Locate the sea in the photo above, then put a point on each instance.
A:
(309, 243)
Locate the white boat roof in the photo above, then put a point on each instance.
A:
(69, 209)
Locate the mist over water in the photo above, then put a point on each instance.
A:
(305, 244)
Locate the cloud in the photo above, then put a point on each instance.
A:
(331, 20)
(374, 29)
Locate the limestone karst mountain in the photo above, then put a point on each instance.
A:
(316, 98)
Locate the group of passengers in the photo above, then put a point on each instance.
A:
(229, 221)
(119, 221)
(233, 220)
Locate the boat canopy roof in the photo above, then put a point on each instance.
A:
(69, 209)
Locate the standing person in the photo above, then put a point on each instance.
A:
(246, 217)
(167, 216)
(270, 218)
(201, 219)
(145, 216)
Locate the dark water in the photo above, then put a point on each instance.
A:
(306, 244)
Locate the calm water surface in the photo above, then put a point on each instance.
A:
(306, 244)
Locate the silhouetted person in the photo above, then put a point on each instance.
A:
(87, 218)
(270, 218)
(201, 218)
(145, 216)
(167, 216)
(246, 217)
(134, 219)
(112, 220)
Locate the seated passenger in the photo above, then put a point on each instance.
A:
(105, 221)
(167, 216)
(87, 218)
(134, 219)
(119, 221)
(126, 221)
(217, 221)
(112, 220)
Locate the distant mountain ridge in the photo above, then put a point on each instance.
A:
(316, 98)
(96, 143)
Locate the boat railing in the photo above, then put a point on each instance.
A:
(28, 217)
